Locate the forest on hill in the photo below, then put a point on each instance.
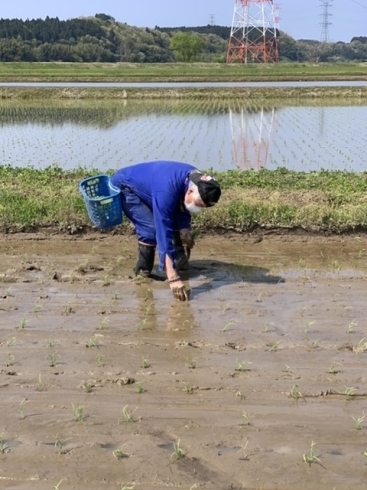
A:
(102, 39)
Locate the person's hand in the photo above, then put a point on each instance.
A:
(187, 238)
(180, 291)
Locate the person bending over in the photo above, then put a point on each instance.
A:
(158, 198)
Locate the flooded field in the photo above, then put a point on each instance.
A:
(218, 134)
(258, 382)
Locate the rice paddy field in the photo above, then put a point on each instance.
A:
(257, 382)
(218, 133)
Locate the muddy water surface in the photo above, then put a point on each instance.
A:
(268, 357)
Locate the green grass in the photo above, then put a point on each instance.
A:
(11, 71)
(317, 202)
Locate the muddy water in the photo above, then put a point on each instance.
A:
(267, 357)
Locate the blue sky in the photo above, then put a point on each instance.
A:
(301, 19)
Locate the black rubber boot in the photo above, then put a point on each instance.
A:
(182, 253)
(145, 262)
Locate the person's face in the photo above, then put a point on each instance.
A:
(193, 202)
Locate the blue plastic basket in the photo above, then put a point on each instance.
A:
(102, 201)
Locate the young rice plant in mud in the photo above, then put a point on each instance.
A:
(191, 363)
(139, 387)
(188, 389)
(124, 487)
(22, 323)
(358, 421)
(310, 457)
(119, 454)
(126, 415)
(10, 360)
(348, 393)
(145, 364)
(361, 346)
(100, 360)
(178, 453)
(243, 366)
(333, 368)
(52, 358)
(59, 444)
(295, 393)
(21, 405)
(350, 327)
(3, 445)
(57, 486)
(40, 386)
(86, 386)
(78, 412)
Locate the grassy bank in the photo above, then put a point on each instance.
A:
(176, 72)
(332, 202)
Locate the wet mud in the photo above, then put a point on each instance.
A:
(258, 382)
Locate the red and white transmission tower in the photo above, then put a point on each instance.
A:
(254, 32)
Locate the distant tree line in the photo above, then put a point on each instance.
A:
(102, 39)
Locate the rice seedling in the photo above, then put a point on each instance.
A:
(67, 310)
(191, 363)
(52, 358)
(21, 405)
(103, 323)
(139, 387)
(188, 389)
(3, 445)
(106, 280)
(119, 454)
(57, 487)
(310, 457)
(245, 454)
(309, 324)
(228, 324)
(37, 307)
(40, 385)
(243, 366)
(91, 342)
(78, 412)
(358, 421)
(86, 386)
(351, 326)
(51, 342)
(295, 393)
(100, 360)
(22, 323)
(145, 363)
(126, 415)
(178, 453)
(245, 419)
(275, 346)
(333, 369)
(59, 444)
(240, 395)
(11, 341)
(348, 393)
(315, 344)
(361, 346)
(124, 487)
(10, 359)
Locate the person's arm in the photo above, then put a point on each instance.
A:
(178, 288)
(164, 205)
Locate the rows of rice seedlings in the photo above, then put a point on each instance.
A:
(211, 134)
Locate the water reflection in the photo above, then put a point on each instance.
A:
(218, 134)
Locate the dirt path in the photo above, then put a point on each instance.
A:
(267, 357)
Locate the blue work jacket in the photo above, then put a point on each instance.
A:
(161, 185)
